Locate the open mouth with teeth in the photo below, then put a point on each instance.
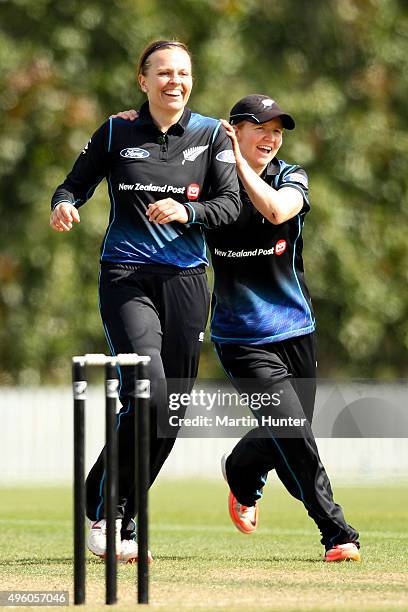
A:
(173, 93)
(264, 149)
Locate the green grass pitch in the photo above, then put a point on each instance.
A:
(203, 563)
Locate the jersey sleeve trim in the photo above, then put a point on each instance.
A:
(215, 132)
(110, 133)
(64, 201)
(191, 212)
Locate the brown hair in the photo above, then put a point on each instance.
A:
(143, 63)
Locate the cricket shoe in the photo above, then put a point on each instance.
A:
(97, 538)
(245, 518)
(129, 552)
(343, 552)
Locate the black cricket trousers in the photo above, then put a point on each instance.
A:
(287, 368)
(159, 311)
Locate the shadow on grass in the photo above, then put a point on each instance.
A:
(48, 561)
(236, 561)
(38, 561)
(158, 558)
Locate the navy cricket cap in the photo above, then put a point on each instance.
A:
(259, 109)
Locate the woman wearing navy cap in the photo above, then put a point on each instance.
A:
(263, 326)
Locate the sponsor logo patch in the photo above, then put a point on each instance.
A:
(268, 103)
(134, 153)
(226, 156)
(192, 153)
(296, 177)
(280, 247)
(151, 187)
(193, 191)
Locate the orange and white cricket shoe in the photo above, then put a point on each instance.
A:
(343, 552)
(245, 518)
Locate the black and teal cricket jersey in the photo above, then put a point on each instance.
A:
(192, 163)
(260, 295)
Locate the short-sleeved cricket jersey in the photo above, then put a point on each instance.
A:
(192, 163)
(260, 295)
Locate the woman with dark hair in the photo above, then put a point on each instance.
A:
(169, 173)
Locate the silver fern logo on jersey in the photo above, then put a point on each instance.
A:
(134, 153)
(192, 153)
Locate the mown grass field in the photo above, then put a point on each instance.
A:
(203, 563)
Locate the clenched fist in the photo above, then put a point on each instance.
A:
(63, 216)
(167, 210)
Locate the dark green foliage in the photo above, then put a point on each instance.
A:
(340, 66)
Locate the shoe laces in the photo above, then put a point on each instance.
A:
(102, 525)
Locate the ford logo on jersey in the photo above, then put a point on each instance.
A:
(134, 153)
(226, 156)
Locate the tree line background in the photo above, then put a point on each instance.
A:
(341, 68)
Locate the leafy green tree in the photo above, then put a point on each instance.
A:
(338, 65)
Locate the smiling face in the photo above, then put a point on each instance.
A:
(259, 143)
(167, 81)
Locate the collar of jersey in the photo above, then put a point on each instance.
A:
(272, 168)
(177, 128)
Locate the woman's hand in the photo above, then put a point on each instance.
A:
(235, 146)
(166, 211)
(63, 216)
(130, 115)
